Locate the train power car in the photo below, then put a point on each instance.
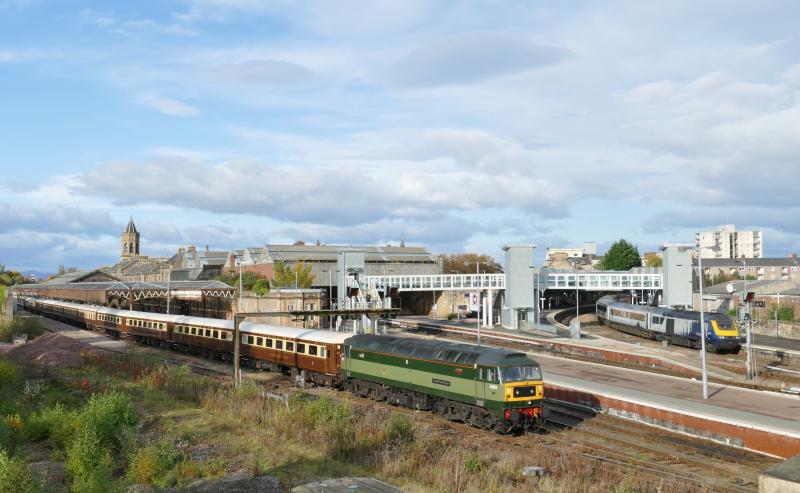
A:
(486, 387)
(679, 327)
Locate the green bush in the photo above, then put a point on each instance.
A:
(472, 464)
(88, 463)
(152, 463)
(16, 476)
(400, 429)
(324, 411)
(21, 325)
(8, 373)
(107, 414)
(56, 423)
(261, 287)
(785, 312)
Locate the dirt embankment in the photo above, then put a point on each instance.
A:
(51, 350)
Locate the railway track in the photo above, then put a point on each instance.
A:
(683, 459)
(502, 339)
(574, 429)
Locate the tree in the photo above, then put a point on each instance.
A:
(261, 287)
(249, 280)
(464, 263)
(653, 260)
(621, 256)
(297, 274)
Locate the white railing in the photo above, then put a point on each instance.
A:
(587, 281)
(441, 282)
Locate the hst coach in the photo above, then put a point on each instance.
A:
(679, 327)
(491, 388)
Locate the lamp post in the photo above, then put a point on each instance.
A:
(702, 325)
(475, 284)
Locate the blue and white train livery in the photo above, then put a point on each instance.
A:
(679, 327)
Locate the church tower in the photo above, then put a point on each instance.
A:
(130, 241)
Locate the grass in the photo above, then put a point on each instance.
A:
(2, 299)
(116, 421)
(20, 325)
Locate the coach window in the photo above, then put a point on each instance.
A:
(208, 332)
(301, 348)
(216, 334)
(312, 350)
(278, 344)
(322, 351)
(249, 339)
(268, 342)
(244, 339)
(259, 341)
(289, 346)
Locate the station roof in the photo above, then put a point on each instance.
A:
(291, 253)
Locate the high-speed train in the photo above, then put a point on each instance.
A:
(679, 327)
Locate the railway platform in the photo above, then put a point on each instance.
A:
(767, 422)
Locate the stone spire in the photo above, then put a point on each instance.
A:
(130, 241)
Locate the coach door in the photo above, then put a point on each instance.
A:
(670, 327)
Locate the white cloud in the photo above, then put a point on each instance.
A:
(171, 107)
(472, 58)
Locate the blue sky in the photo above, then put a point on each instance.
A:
(461, 125)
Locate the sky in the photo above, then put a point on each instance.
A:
(459, 126)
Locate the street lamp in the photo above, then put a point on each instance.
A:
(702, 325)
(747, 321)
(477, 273)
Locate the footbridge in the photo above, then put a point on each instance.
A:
(635, 279)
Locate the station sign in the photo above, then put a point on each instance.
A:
(759, 304)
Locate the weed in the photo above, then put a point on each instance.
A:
(56, 423)
(150, 464)
(21, 325)
(8, 373)
(16, 476)
(88, 463)
(107, 414)
(472, 464)
(400, 429)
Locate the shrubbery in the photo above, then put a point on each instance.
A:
(8, 372)
(21, 325)
(150, 464)
(16, 476)
(400, 429)
(89, 463)
(785, 312)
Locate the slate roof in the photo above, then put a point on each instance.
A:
(329, 253)
(131, 228)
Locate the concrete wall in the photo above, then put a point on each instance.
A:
(519, 295)
(677, 269)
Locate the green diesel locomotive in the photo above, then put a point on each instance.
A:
(490, 388)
